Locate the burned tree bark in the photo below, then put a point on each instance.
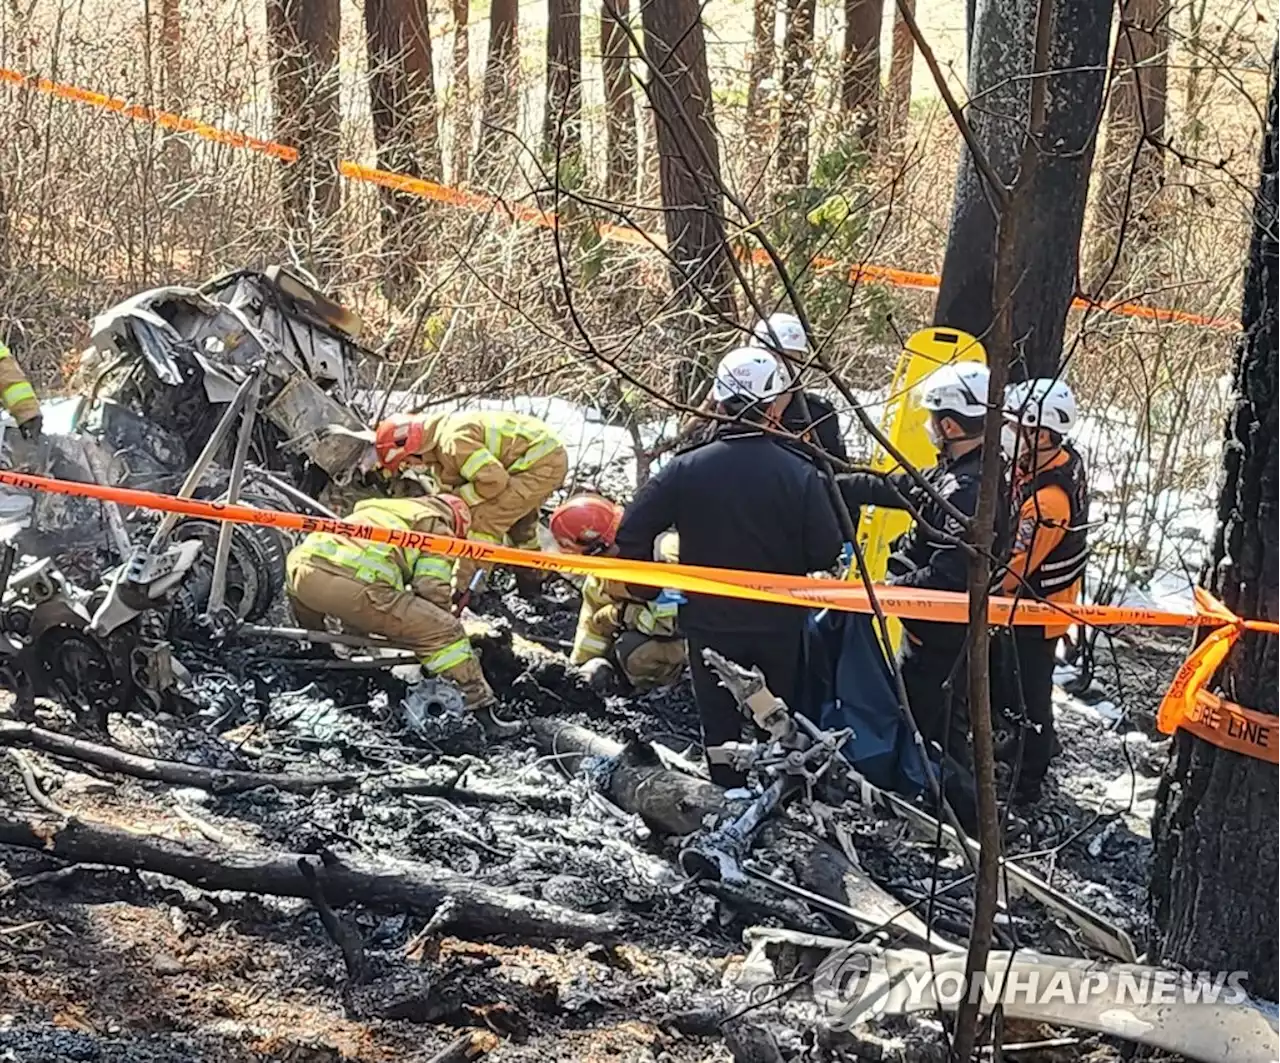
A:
(396, 885)
(171, 51)
(797, 82)
(402, 101)
(1214, 876)
(619, 102)
(460, 94)
(562, 118)
(860, 64)
(679, 90)
(999, 67)
(897, 106)
(501, 95)
(764, 29)
(1132, 168)
(303, 38)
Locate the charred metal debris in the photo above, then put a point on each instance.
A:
(155, 654)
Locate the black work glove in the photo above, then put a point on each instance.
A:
(31, 427)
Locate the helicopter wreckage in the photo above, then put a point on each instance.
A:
(226, 392)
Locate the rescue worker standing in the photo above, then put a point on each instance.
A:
(503, 465)
(18, 396)
(743, 501)
(399, 592)
(933, 656)
(616, 629)
(818, 424)
(1048, 558)
(20, 402)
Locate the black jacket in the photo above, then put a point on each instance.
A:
(822, 424)
(739, 501)
(921, 557)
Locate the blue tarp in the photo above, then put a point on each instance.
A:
(846, 682)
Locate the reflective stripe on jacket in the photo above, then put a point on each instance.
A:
(400, 566)
(16, 392)
(475, 454)
(607, 611)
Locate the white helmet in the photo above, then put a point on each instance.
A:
(1043, 403)
(751, 373)
(781, 331)
(960, 388)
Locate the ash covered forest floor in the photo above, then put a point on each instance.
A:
(105, 964)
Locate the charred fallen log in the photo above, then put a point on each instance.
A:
(385, 884)
(215, 780)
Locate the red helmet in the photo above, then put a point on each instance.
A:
(461, 514)
(586, 524)
(397, 439)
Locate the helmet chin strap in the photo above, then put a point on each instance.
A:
(946, 443)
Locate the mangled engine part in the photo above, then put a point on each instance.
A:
(254, 579)
(436, 712)
(179, 580)
(102, 652)
(792, 760)
(143, 583)
(50, 652)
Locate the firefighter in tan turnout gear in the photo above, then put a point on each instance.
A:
(399, 592)
(18, 396)
(20, 402)
(615, 629)
(503, 465)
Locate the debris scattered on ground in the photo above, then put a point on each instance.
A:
(108, 964)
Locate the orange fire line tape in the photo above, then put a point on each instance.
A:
(906, 602)
(1184, 705)
(531, 215)
(1230, 726)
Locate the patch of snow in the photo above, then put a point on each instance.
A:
(1105, 710)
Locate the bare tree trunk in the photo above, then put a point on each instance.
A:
(562, 118)
(460, 147)
(1001, 345)
(764, 29)
(4, 244)
(1214, 877)
(650, 176)
(619, 102)
(171, 52)
(675, 53)
(402, 102)
(304, 67)
(897, 110)
(797, 82)
(500, 105)
(1131, 164)
(860, 64)
(999, 65)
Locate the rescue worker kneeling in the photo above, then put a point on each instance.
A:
(639, 638)
(503, 465)
(399, 592)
